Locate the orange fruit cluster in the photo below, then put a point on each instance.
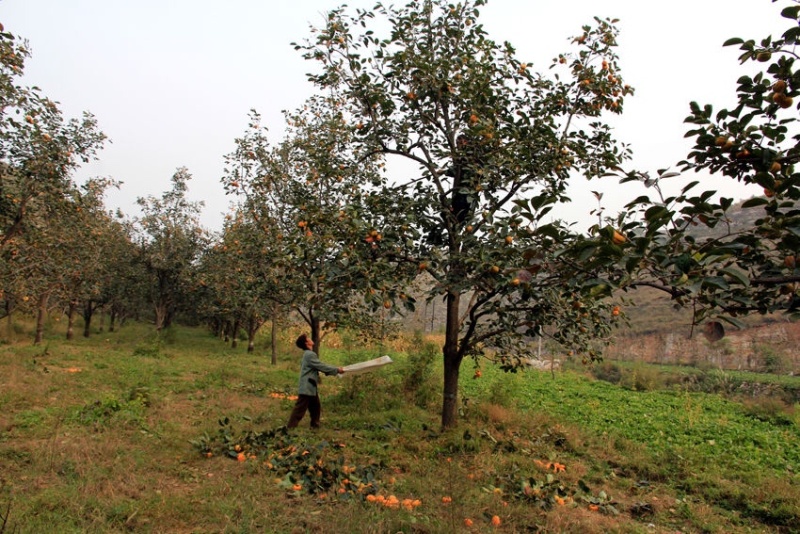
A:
(393, 502)
(276, 395)
(496, 521)
(555, 466)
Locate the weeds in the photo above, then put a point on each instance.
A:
(101, 413)
(418, 371)
(770, 410)
(566, 455)
(5, 517)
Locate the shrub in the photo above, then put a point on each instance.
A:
(642, 378)
(502, 392)
(771, 361)
(712, 381)
(418, 370)
(608, 372)
(769, 410)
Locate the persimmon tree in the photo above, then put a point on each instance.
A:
(311, 196)
(39, 148)
(685, 243)
(90, 259)
(495, 144)
(249, 249)
(170, 239)
(238, 280)
(39, 151)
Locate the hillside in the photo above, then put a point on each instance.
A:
(655, 313)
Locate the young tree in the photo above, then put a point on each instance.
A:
(89, 261)
(239, 280)
(311, 197)
(496, 144)
(170, 240)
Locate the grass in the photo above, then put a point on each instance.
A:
(126, 432)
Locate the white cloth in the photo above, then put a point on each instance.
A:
(363, 367)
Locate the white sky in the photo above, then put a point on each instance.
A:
(171, 81)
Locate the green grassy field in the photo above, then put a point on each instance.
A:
(124, 432)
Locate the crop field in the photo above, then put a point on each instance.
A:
(128, 432)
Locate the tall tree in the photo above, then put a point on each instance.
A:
(496, 144)
(170, 240)
(39, 151)
(39, 148)
(124, 279)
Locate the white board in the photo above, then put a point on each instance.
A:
(363, 367)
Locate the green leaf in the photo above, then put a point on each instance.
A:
(716, 281)
(656, 213)
(733, 41)
(755, 201)
(599, 289)
(587, 252)
(548, 230)
(792, 35)
(735, 322)
(790, 12)
(689, 186)
(738, 275)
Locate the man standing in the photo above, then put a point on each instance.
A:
(307, 395)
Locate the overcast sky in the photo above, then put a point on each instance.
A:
(171, 81)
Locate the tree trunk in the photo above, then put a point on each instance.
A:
(452, 363)
(252, 329)
(316, 334)
(226, 331)
(216, 324)
(112, 319)
(40, 318)
(274, 338)
(169, 316)
(251, 340)
(161, 317)
(235, 334)
(88, 311)
(10, 323)
(71, 319)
